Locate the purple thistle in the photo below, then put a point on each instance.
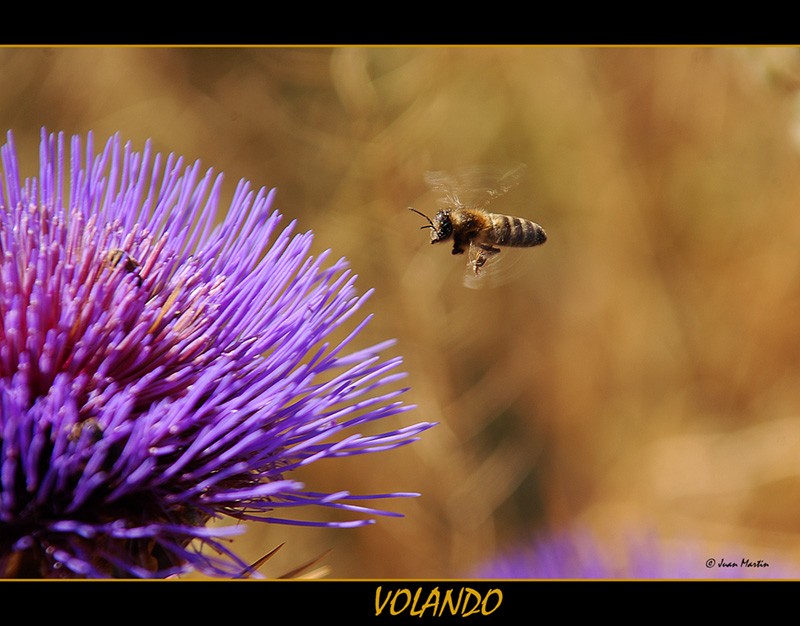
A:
(630, 556)
(158, 371)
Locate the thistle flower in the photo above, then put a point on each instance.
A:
(158, 371)
(580, 555)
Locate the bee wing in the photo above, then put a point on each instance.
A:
(474, 186)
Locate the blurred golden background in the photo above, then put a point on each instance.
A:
(640, 373)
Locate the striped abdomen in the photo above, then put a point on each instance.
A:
(514, 231)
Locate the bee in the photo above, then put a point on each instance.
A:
(129, 264)
(90, 427)
(465, 221)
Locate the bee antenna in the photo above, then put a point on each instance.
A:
(430, 223)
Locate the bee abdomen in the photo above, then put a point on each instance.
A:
(515, 231)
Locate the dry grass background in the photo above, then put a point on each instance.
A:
(643, 370)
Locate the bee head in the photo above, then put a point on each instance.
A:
(441, 226)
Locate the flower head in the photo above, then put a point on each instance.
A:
(158, 370)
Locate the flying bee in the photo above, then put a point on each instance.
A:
(464, 219)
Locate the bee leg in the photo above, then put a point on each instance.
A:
(458, 245)
(483, 256)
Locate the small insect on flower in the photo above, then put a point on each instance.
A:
(129, 264)
(465, 220)
(89, 428)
